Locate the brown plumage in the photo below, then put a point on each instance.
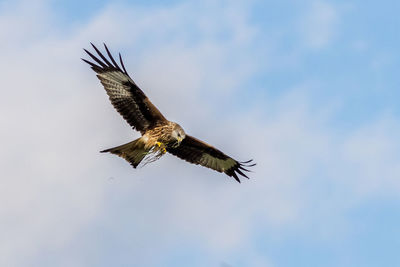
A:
(158, 134)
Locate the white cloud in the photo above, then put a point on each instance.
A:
(56, 187)
(372, 155)
(54, 180)
(319, 25)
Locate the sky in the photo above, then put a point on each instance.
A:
(308, 89)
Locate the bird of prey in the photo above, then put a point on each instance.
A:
(158, 134)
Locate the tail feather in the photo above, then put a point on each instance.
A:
(133, 152)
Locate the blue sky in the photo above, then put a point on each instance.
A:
(309, 89)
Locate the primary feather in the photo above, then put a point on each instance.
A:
(127, 98)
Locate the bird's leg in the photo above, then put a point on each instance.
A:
(162, 146)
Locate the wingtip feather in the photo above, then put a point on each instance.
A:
(122, 63)
(241, 173)
(111, 57)
(236, 177)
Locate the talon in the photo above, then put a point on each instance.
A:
(162, 147)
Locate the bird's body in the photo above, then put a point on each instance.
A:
(152, 145)
(158, 134)
(169, 134)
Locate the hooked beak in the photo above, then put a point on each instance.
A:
(178, 142)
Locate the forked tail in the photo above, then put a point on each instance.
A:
(133, 152)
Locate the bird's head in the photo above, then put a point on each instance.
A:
(178, 134)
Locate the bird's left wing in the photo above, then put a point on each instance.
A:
(198, 152)
(127, 98)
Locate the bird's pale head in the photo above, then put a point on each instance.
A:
(178, 134)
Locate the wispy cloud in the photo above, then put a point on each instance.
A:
(318, 26)
(59, 196)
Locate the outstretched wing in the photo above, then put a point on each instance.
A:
(125, 95)
(198, 152)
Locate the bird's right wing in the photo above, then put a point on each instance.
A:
(124, 94)
(198, 152)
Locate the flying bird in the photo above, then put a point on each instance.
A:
(159, 135)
